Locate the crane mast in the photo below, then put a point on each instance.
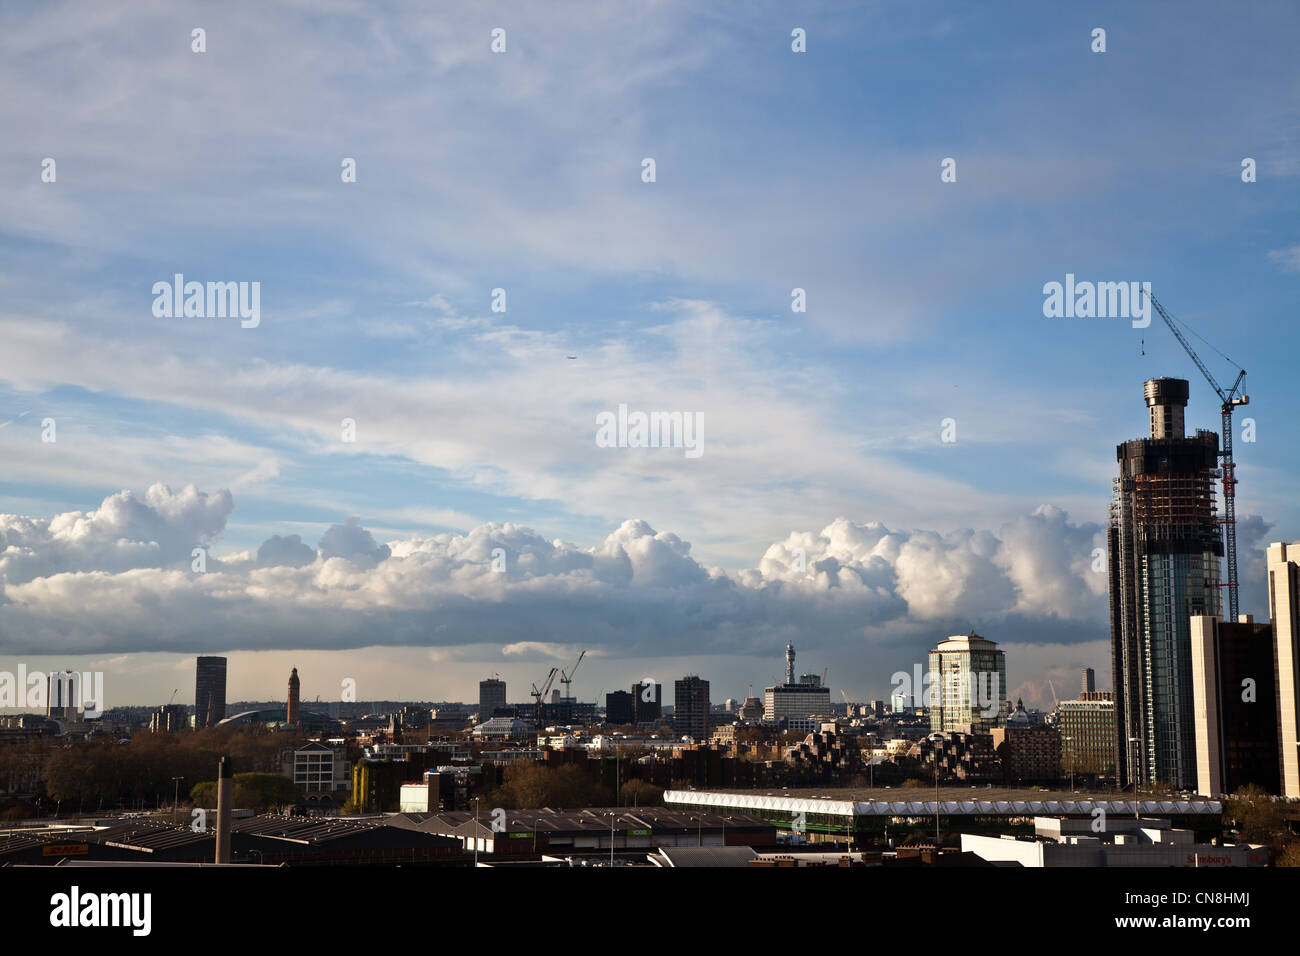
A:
(567, 679)
(1228, 401)
(539, 694)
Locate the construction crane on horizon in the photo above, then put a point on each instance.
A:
(567, 679)
(539, 694)
(1228, 401)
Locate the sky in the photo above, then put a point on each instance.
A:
(921, 451)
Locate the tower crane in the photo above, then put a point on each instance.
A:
(539, 694)
(1228, 401)
(567, 679)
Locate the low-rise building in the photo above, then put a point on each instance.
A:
(504, 728)
(1029, 753)
(1088, 735)
(1122, 841)
(323, 774)
(593, 830)
(169, 718)
(969, 757)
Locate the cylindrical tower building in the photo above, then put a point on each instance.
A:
(291, 712)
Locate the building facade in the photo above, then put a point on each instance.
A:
(647, 701)
(291, 709)
(168, 719)
(1164, 548)
(968, 757)
(968, 683)
(209, 692)
(797, 700)
(1284, 608)
(1234, 693)
(1087, 728)
(318, 771)
(691, 707)
(1029, 753)
(491, 697)
(802, 698)
(619, 708)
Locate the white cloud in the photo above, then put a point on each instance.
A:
(1288, 259)
(117, 579)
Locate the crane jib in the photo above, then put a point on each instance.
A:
(1229, 400)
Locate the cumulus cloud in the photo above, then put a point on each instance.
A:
(353, 543)
(287, 551)
(126, 531)
(117, 579)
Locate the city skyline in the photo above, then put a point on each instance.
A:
(828, 506)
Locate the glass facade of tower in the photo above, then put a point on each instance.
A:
(1164, 551)
(968, 677)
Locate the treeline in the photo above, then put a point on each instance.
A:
(529, 785)
(101, 774)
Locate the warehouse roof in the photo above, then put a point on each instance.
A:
(988, 804)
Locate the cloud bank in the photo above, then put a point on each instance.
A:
(119, 579)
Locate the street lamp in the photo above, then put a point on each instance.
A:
(476, 826)
(935, 740)
(936, 805)
(176, 794)
(1136, 778)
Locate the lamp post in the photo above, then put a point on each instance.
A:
(476, 826)
(936, 803)
(1136, 777)
(176, 794)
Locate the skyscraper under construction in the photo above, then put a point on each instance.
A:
(1164, 547)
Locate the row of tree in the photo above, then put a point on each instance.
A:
(104, 773)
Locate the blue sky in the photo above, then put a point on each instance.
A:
(521, 170)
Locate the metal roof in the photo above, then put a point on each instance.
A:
(593, 819)
(902, 808)
(687, 856)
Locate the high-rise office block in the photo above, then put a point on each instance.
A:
(209, 692)
(491, 697)
(291, 709)
(647, 701)
(62, 695)
(1234, 693)
(968, 683)
(1088, 683)
(1164, 547)
(619, 708)
(1284, 607)
(691, 708)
